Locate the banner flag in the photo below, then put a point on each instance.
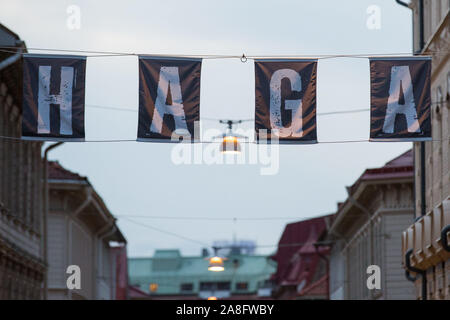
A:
(169, 99)
(53, 97)
(285, 100)
(400, 100)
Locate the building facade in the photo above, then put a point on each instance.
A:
(22, 266)
(422, 239)
(120, 258)
(169, 275)
(81, 232)
(366, 231)
(302, 264)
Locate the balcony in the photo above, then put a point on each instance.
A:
(424, 238)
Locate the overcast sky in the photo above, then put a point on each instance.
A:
(140, 179)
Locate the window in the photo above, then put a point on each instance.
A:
(187, 287)
(241, 286)
(266, 284)
(439, 99)
(207, 286)
(448, 86)
(437, 123)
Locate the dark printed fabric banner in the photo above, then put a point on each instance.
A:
(400, 99)
(169, 99)
(285, 100)
(53, 97)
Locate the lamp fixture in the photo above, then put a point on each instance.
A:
(216, 264)
(230, 143)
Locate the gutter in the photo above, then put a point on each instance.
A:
(85, 203)
(15, 57)
(402, 3)
(11, 60)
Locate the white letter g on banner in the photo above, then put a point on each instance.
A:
(295, 129)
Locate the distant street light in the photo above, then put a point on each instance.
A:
(216, 264)
(153, 287)
(212, 298)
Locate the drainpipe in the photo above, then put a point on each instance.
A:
(423, 210)
(422, 151)
(45, 216)
(422, 143)
(423, 273)
(422, 164)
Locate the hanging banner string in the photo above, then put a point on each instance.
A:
(181, 77)
(211, 142)
(244, 120)
(243, 58)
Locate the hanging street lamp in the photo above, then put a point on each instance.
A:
(230, 140)
(215, 262)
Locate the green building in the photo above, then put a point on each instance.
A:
(169, 275)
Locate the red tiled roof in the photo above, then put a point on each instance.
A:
(405, 159)
(299, 263)
(57, 172)
(317, 289)
(135, 292)
(399, 167)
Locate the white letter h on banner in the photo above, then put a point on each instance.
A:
(63, 99)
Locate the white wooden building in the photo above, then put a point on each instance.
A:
(367, 231)
(80, 230)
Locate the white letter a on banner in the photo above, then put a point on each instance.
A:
(169, 78)
(401, 79)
